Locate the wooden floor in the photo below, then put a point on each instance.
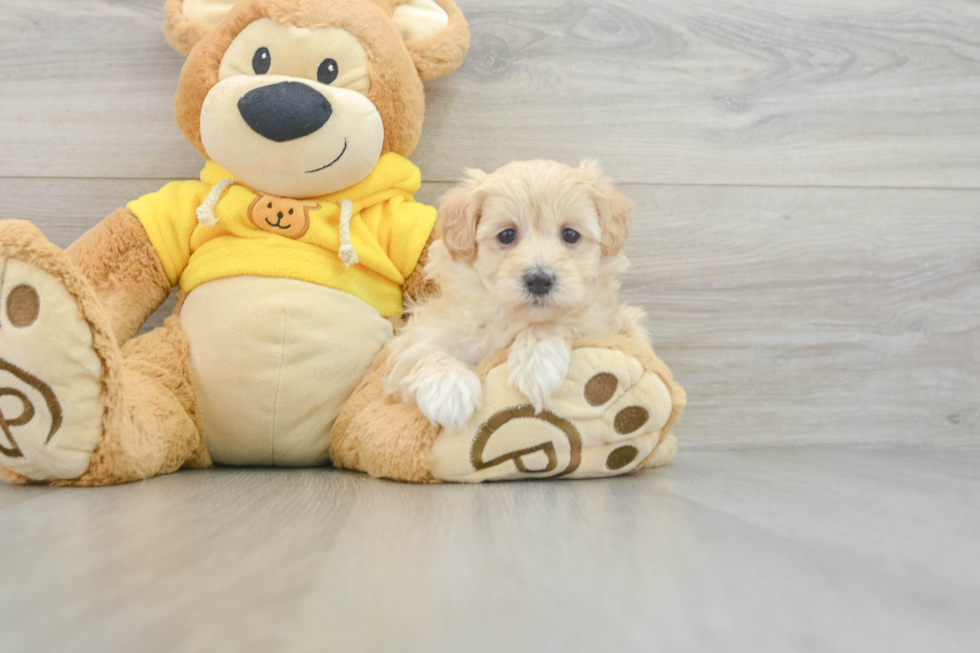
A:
(785, 549)
(807, 244)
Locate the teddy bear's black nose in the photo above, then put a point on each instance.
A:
(284, 111)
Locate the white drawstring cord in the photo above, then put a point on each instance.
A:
(205, 212)
(346, 253)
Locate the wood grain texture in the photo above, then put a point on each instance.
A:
(876, 93)
(814, 314)
(789, 314)
(802, 548)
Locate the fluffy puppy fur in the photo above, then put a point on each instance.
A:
(528, 259)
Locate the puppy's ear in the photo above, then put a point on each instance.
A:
(459, 215)
(615, 211)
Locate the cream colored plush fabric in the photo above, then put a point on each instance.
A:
(274, 361)
(295, 52)
(206, 12)
(606, 420)
(50, 377)
(420, 19)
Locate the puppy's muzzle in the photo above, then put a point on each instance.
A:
(284, 111)
(538, 282)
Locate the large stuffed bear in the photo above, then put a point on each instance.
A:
(293, 253)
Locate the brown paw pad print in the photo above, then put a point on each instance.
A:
(23, 306)
(621, 457)
(601, 388)
(631, 419)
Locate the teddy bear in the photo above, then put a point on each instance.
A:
(293, 252)
(294, 255)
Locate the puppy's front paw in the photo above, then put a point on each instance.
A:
(449, 402)
(446, 391)
(538, 369)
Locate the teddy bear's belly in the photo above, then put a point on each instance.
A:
(274, 361)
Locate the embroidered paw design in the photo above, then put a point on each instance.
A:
(37, 404)
(605, 420)
(50, 376)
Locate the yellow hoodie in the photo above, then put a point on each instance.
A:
(388, 230)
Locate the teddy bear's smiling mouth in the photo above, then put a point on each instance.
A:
(278, 225)
(332, 162)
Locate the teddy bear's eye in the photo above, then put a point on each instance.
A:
(327, 72)
(261, 61)
(270, 205)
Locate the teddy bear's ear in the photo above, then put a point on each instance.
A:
(187, 21)
(435, 33)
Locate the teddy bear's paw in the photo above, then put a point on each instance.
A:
(605, 420)
(50, 376)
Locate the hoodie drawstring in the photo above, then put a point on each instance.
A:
(346, 253)
(205, 212)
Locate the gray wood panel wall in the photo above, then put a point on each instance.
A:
(806, 178)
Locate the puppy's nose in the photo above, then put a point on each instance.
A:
(284, 111)
(539, 282)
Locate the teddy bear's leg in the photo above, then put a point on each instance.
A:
(381, 436)
(74, 409)
(158, 429)
(613, 414)
(121, 266)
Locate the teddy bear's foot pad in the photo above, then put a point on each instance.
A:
(50, 376)
(606, 420)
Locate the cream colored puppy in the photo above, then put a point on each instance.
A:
(528, 259)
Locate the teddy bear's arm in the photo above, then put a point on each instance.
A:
(124, 269)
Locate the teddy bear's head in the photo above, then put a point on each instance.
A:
(299, 98)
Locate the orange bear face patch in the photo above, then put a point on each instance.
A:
(281, 216)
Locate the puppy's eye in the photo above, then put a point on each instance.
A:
(261, 61)
(327, 72)
(507, 236)
(570, 236)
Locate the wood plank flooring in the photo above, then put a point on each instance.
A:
(787, 549)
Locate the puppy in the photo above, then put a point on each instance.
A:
(527, 259)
